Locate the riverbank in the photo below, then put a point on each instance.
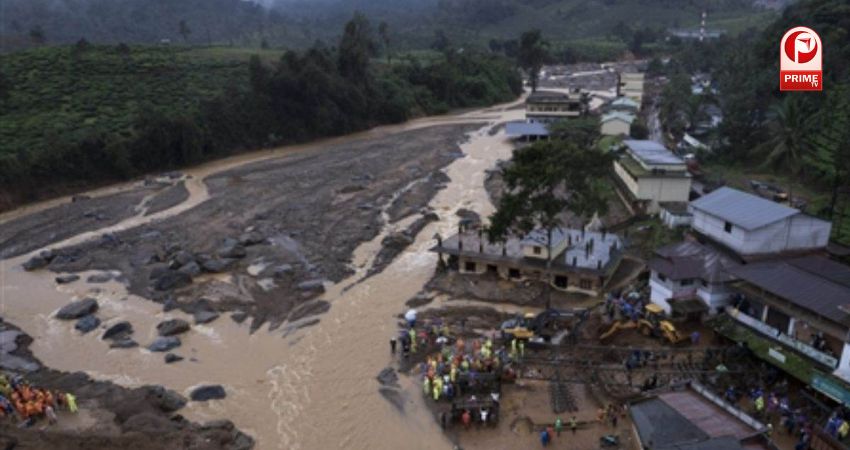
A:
(287, 376)
(110, 416)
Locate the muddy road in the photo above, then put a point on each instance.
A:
(289, 238)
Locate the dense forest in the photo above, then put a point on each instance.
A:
(90, 114)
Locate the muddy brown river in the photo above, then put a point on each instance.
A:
(312, 388)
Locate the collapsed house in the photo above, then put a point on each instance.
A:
(581, 260)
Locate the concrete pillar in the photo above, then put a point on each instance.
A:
(764, 313)
(792, 325)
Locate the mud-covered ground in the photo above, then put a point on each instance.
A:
(84, 213)
(269, 236)
(110, 416)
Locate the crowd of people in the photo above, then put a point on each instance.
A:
(19, 400)
(466, 373)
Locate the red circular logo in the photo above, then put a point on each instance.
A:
(801, 47)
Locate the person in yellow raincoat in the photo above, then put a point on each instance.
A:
(72, 402)
(412, 334)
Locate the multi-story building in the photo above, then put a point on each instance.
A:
(651, 174)
(550, 106)
(690, 277)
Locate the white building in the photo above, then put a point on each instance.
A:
(753, 226)
(631, 85)
(550, 106)
(616, 123)
(651, 174)
(688, 271)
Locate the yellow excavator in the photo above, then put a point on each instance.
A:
(651, 324)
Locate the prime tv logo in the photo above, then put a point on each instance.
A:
(800, 61)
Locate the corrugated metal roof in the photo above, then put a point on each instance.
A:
(742, 209)
(688, 259)
(813, 291)
(625, 117)
(515, 129)
(653, 153)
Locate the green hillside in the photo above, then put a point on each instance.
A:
(66, 94)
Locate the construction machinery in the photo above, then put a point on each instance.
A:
(652, 323)
(550, 326)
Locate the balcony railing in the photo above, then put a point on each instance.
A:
(777, 335)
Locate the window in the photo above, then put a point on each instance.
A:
(469, 266)
(704, 283)
(727, 227)
(513, 273)
(662, 277)
(561, 281)
(491, 268)
(537, 250)
(585, 283)
(687, 282)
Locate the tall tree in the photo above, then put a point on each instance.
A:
(184, 30)
(356, 47)
(384, 33)
(545, 180)
(533, 52)
(786, 143)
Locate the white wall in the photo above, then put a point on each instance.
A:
(714, 296)
(673, 221)
(624, 175)
(659, 295)
(664, 189)
(794, 233)
(615, 128)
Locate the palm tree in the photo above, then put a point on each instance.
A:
(787, 144)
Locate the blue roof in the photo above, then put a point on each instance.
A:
(514, 129)
(745, 210)
(651, 152)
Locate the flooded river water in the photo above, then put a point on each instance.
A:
(312, 388)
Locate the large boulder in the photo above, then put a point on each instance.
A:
(181, 258)
(166, 400)
(216, 265)
(231, 248)
(123, 343)
(191, 268)
(172, 327)
(205, 316)
(172, 358)
(172, 279)
(35, 263)
(164, 344)
(75, 310)
(312, 285)
(207, 392)
(68, 278)
(104, 277)
(119, 331)
(87, 323)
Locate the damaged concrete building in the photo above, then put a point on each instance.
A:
(581, 261)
